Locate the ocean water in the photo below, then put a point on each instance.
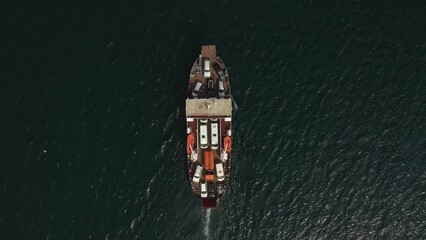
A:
(329, 136)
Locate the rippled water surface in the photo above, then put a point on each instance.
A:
(330, 132)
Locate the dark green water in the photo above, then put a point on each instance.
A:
(330, 132)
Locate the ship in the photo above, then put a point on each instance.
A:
(208, 114)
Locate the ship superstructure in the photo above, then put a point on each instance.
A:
(209, 127)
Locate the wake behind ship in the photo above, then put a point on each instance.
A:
(209, 121)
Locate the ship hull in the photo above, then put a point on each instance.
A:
(209, 127)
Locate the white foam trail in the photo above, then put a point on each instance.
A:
(207, 224)
(235, 103)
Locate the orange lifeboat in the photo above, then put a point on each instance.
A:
(227, 143)
(190, 140)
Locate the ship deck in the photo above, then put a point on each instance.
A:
(224, 126)
(209, 104)
(217, 73)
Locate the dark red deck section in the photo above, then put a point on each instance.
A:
(208, 203)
